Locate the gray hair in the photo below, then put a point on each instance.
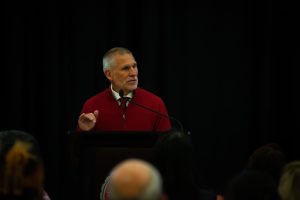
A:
(108, 58)
(152, 191)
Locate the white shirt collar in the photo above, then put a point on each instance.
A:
(117, 96)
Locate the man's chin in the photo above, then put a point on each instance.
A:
(131, 88)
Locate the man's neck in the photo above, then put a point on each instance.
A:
(117, 96)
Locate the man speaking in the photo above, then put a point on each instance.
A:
(111, 109)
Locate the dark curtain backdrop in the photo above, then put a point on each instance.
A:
(225, 69)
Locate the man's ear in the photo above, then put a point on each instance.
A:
(108, 75)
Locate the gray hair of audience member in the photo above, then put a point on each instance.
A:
(151, 189)
(289, 184)
(108, 58)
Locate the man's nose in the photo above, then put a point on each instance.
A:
(133, 71)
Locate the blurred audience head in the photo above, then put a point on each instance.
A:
(289, 184)
(174, 158)
(174, 155)
(268, 158)
(21, 167)
(135, 179)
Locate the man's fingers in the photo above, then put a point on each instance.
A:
(90, 116)
(87, 117)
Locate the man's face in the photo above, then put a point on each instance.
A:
(124, 74)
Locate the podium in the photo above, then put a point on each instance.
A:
(90, 156)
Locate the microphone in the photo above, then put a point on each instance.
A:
(121, 93)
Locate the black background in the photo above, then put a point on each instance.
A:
(225, 69)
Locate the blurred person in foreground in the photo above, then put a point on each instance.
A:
(289, 184)
(268, 158)
(133, 179)
(21, 167)
(174, 157)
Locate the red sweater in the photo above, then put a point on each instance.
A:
(110, 116)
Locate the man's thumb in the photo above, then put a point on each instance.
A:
(96, 113)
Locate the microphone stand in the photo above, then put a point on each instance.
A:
(121, 93)
(163, 115)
